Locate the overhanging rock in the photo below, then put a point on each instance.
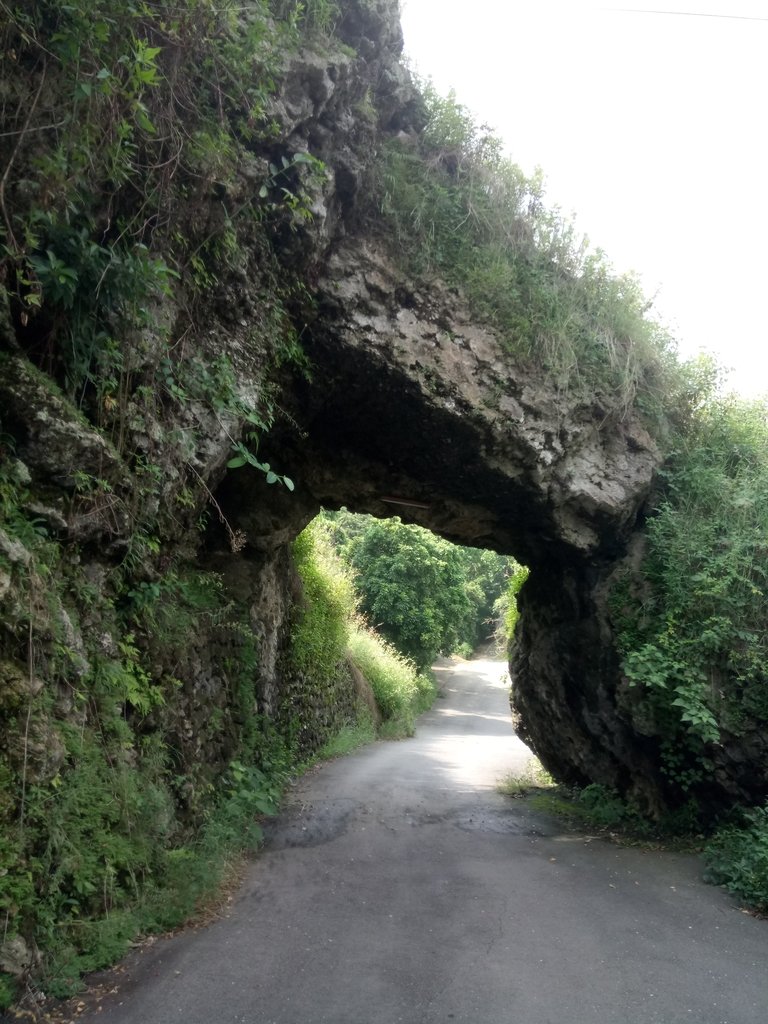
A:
(414, 409)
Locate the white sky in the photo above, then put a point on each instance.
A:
(651, 128)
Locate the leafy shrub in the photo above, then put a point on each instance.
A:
(604, 807)
(737, 858)
(693, 628)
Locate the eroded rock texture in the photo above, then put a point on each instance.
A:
(415, 410)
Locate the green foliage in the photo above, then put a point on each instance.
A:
(114, 144)
(245, 456)
(320, 635)
(737, 858)
(214, 383)
(321, 699)
(90, 838)
(424, 594)
(604, 810)
(607, 812)
(401, 691)
(458, 207)
(102, 856)
(348, 739)
(604, 807)
(96, 842)
(127, 679)
(486, 576)
(411, 588)
(505, 607)
(326, 632)
(532, 778)
(7, 990)
(694, 629)
(319, 15)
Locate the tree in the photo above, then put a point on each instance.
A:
(412, 588)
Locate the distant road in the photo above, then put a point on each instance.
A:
(399, 886)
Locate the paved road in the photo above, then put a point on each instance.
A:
(399, 886)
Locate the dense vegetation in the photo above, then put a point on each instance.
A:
(693, 628)
(123, 835)
(695, 636)
(120, 121)
(426, 595)
(106, 827)
(330, 631)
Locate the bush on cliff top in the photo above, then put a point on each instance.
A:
(460, 209)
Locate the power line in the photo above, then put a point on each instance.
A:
(684, 14)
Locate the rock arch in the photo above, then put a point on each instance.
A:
(414, 409)
(410, 400)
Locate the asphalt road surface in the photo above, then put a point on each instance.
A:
(399, 886)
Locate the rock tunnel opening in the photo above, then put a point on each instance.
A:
(402, 418)
(425, 595)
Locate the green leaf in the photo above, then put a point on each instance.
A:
(272, 477)
(236, 462)
(288, 483)
(144, 122)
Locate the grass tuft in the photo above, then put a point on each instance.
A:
(349, 739)
(401, 692)
(534, 777)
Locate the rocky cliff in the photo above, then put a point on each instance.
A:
(145, 566)
(402, 401)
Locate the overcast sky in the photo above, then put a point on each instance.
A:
(650, 127)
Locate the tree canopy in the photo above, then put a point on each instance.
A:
(426, 595)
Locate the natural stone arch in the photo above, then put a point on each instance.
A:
(413, 409)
